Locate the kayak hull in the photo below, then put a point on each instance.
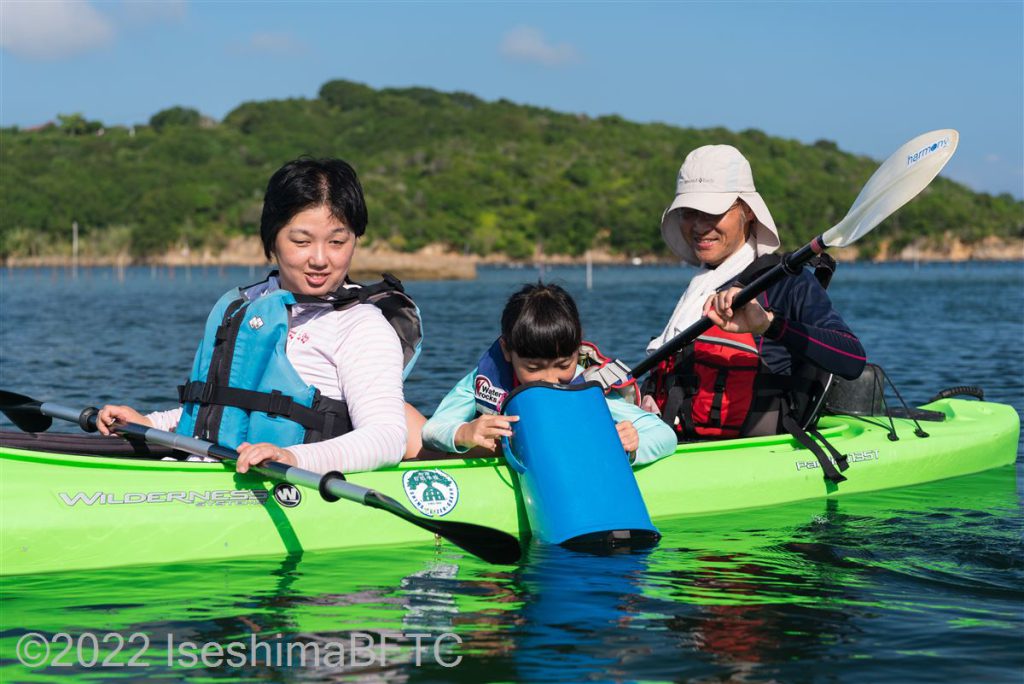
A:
(72, 512)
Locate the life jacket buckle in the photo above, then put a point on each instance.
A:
(279, 404)
(206, 393)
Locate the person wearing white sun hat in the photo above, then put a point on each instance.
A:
(736, 379)
(715, 180)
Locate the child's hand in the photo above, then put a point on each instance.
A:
(486, 431)
(628, 435)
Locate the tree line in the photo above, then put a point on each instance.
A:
(481, 177)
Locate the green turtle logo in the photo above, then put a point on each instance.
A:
(432, 492)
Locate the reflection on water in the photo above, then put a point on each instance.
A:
(889, 584)
(917, 584)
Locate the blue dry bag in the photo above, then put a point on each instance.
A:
(577, 485)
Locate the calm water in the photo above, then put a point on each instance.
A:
(919, 584)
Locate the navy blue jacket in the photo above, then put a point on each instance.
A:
(811, 329)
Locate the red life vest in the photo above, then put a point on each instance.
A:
(711, 386)
(719, 387)
(726, 366)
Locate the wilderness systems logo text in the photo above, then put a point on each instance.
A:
(216, 497)
(927, 150)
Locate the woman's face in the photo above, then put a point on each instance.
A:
(314, 251)
(715, 237)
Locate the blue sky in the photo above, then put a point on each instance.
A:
(867, 75)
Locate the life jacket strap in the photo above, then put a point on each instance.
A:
(715, 415)
(806, 441)
(390, 297)
(208, 417)
(344, 297)
(324, 418)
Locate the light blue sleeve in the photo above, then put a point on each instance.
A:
(657, 439)
(458, 407)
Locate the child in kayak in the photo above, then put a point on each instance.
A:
(540, 340)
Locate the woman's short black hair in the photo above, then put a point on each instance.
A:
(307, 183)
(541, 322)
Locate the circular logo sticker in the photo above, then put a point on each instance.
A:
(432, 492)
(287, 495)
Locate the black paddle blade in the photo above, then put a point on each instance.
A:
(486, 543)
(24, 412)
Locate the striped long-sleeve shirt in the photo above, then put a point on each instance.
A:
(352, 355)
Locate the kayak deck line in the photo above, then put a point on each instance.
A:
(76, 512)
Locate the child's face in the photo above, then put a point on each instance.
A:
(560, 371)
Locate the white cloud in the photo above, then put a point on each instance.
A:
(52, 30)
(992, 158)
(528, 44)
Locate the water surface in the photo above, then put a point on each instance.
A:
(914, 585)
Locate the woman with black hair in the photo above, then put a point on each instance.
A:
(541, 337)
(301, 368)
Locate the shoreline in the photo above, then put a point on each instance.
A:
(436, 262)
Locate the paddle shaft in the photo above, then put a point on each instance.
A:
(790, 265)
(332, 483)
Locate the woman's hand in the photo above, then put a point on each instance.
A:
(250, 455)
(486, 431)
(628, 435)
(752, 318)
(111, 414)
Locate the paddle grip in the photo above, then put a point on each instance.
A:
(325, 485)
(87, 419)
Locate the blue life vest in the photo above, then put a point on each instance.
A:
(493, 380)
(243, 388)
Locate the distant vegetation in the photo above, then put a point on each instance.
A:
(481, 177)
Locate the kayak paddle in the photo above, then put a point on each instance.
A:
(897, 181)
(491, 545)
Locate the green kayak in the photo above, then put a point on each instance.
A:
(67, 511)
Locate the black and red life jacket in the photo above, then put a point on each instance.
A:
(709, 389)
(720, 388)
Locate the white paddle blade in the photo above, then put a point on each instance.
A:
(897, 181)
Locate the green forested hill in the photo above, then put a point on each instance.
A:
(479, 176)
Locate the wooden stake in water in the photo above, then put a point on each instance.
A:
(74, 250)
(590, 271)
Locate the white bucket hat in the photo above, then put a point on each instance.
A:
(710, 180)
